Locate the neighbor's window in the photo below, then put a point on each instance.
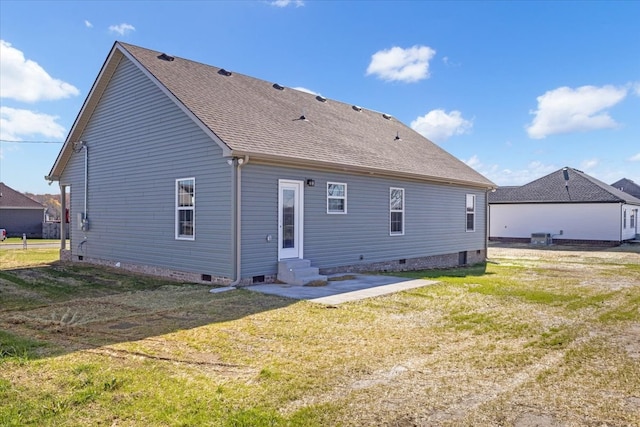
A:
(471, 212)
(336, 198)
(396, 209)
(185, 208)
(624, 219)
(632, 219)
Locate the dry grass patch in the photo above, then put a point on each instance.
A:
(533, 337)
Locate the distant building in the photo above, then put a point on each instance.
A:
(567, 205)
(19, 214)
(628, 186)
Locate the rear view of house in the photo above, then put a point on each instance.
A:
(567, 206)
(184, 169)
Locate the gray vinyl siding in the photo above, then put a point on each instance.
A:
(139, 143)
(434, 222)
(22, 221)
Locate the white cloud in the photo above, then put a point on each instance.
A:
(438, 125)
(473, 162)
(506, 176)
(88, 24)
(406, 65)
(589, 164)
(449, 63)
(304, 89)
(122, 29)
(285, 3)
(566, 110)
(635, 158)
(24, 80)
(533, 171)
(15, 124)
(536, 169)
(635, 87)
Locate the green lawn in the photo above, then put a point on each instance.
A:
(544, 337)
(18, 240)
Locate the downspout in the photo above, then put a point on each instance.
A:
(63, 217)
(237, 163)
(487, 222)
(621, 221)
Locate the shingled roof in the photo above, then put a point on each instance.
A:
(266, 121)
(628, 186)
(12, 199)
(553, 188)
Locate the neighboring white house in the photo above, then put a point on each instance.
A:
(567, 206)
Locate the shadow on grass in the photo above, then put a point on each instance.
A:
(479, 269)
(61, 308)
(566, 247)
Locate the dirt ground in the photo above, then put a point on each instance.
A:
(463, 379)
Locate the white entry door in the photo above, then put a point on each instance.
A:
(290, 220)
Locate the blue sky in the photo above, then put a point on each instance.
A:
(514, 89)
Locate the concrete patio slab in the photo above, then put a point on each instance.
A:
(339, 291)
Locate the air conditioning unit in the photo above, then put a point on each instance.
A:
(540, 238)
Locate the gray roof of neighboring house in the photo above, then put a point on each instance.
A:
(249, 116)
(628, 186)
(12, 199)
(552, 188)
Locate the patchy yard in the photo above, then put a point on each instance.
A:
(536, 337)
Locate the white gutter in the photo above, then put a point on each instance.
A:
(621, 221)
(237, 163)
(487, 221)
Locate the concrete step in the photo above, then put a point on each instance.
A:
(298, 272)
(293, 263)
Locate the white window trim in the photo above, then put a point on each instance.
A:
(395, 233)
(179, 208)
(334, 197)
(466, 213)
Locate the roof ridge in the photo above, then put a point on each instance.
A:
(315, 95)
(13, 198)
(621, 195)
(332, 135)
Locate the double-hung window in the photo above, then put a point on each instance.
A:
(471, 212)
(185, 208)
(396, 211)
(336, 198)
